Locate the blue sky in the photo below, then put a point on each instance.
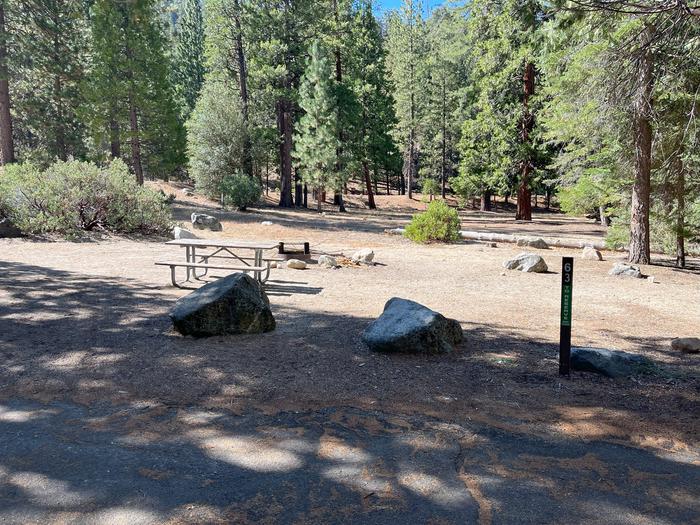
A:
(385, 5)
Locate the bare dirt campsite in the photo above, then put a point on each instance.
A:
(107, 415)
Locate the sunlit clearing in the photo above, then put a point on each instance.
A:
(20, 416)
(125, 516)
(433, 488)
(359, 478)
(334, 449)
(46, 491)
(251, 454)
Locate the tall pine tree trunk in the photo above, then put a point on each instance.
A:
(243, 85)
(486, 201)
(368, 185)
(114, 138)
(443, 165)
(135, 141)
(7, 145)
(284, 124)
(680, 213)
(524, 208)
(639, 249)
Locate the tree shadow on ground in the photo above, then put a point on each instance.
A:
(304, 424)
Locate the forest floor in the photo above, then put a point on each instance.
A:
(107, 415)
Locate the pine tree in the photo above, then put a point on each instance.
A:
(189, 55)
(49, 69)
(130, 88)
(447, 87)
(316, 140)
(7, 144)
(278, 35)
(375, 149)
(407, 48)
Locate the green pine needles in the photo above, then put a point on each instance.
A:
(316, 140)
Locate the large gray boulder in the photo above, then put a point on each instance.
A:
(626, 270)
(532, 242)
(182, 233)
(363, 256)
(327, 261)
(526, 262)
(8, 229)
(202, 221)
(406, 326)
(236, 304)
(610, 363)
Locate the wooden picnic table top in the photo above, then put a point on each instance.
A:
(225, 243)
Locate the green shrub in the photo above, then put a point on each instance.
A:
(241, 191)
(75, 196)
(429, 187)
(215, 138)
(438, 223)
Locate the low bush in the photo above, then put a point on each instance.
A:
(75, 196)
(438, 223)
(241, 191)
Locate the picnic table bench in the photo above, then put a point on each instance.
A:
(223, 249)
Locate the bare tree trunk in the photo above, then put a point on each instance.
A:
(243, 86)
(319, 200)
(115, 145)
(639, 249)
(368, 185)
(680, 215)
(135, 141)
(443, 165)
(284, 124)
(7, 144)
(298, 189)
(486, 201)
(524, 209)
(412, 133)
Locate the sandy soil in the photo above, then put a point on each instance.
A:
(86, 321)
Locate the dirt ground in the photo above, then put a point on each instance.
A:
(86, 323)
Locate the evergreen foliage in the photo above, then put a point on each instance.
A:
(215, 134)
(317, 136)
(189, 55)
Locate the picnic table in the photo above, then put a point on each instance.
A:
(226, 249)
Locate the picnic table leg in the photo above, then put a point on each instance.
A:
(257, 263)
(188, 257)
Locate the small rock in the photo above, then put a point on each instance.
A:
(591, 254)
(182, 233)
(651, 279)
(610, 363)
(8, 229)
(281, 265)
(267, 223)
(296, 264)
(327, 261)
(540, 244)
(626, 270)
(187, 192)
(406, 326)
(202, 221)
(236, 304)
(363, 256)
(687, 345)
(527, 262)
